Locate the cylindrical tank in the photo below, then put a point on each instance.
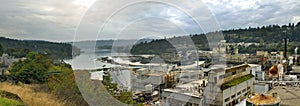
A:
(273, 71)
(236, 51)
(263, 100)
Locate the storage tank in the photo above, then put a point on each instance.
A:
(263, 100)
(236, 51)
(273, 71)
(280, 68)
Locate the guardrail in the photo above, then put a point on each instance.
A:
(275, 83)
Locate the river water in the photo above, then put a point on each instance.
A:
(87, 59)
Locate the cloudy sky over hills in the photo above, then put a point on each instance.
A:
(57, 20)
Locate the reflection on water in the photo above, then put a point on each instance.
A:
(87, 59)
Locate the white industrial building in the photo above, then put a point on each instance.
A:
(225, 87)
(235, 83)
(186, 94)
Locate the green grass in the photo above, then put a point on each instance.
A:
(236, 81)
(10, 102)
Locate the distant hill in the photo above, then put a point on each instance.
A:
(270, 39)
(18, 48)
(89, 43)
(87, 46)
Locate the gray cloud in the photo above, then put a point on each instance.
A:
(56, 20)
(45, 20)
(241, 13)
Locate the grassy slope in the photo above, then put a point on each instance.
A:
(31, 97)
(9, 102)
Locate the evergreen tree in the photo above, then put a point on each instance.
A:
(32, 70)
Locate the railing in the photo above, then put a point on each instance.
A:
(275, 83)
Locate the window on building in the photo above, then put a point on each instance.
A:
(233, 96)
(248, 87)
(239, 93)
(244, 90)
(227, 99)
(233, 73)
(188, 104)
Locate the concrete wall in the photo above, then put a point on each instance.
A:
(260, 75)
(261, 88)
(255, 68)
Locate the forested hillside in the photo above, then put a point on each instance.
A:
(52, 78)
(19, 48)
(269, 37)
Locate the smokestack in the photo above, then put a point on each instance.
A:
(285, 48)
(285, 45)
(285, 53)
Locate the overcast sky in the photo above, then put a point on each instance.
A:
(57, 20)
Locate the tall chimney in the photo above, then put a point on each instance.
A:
(285, 48)
(285, 53)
